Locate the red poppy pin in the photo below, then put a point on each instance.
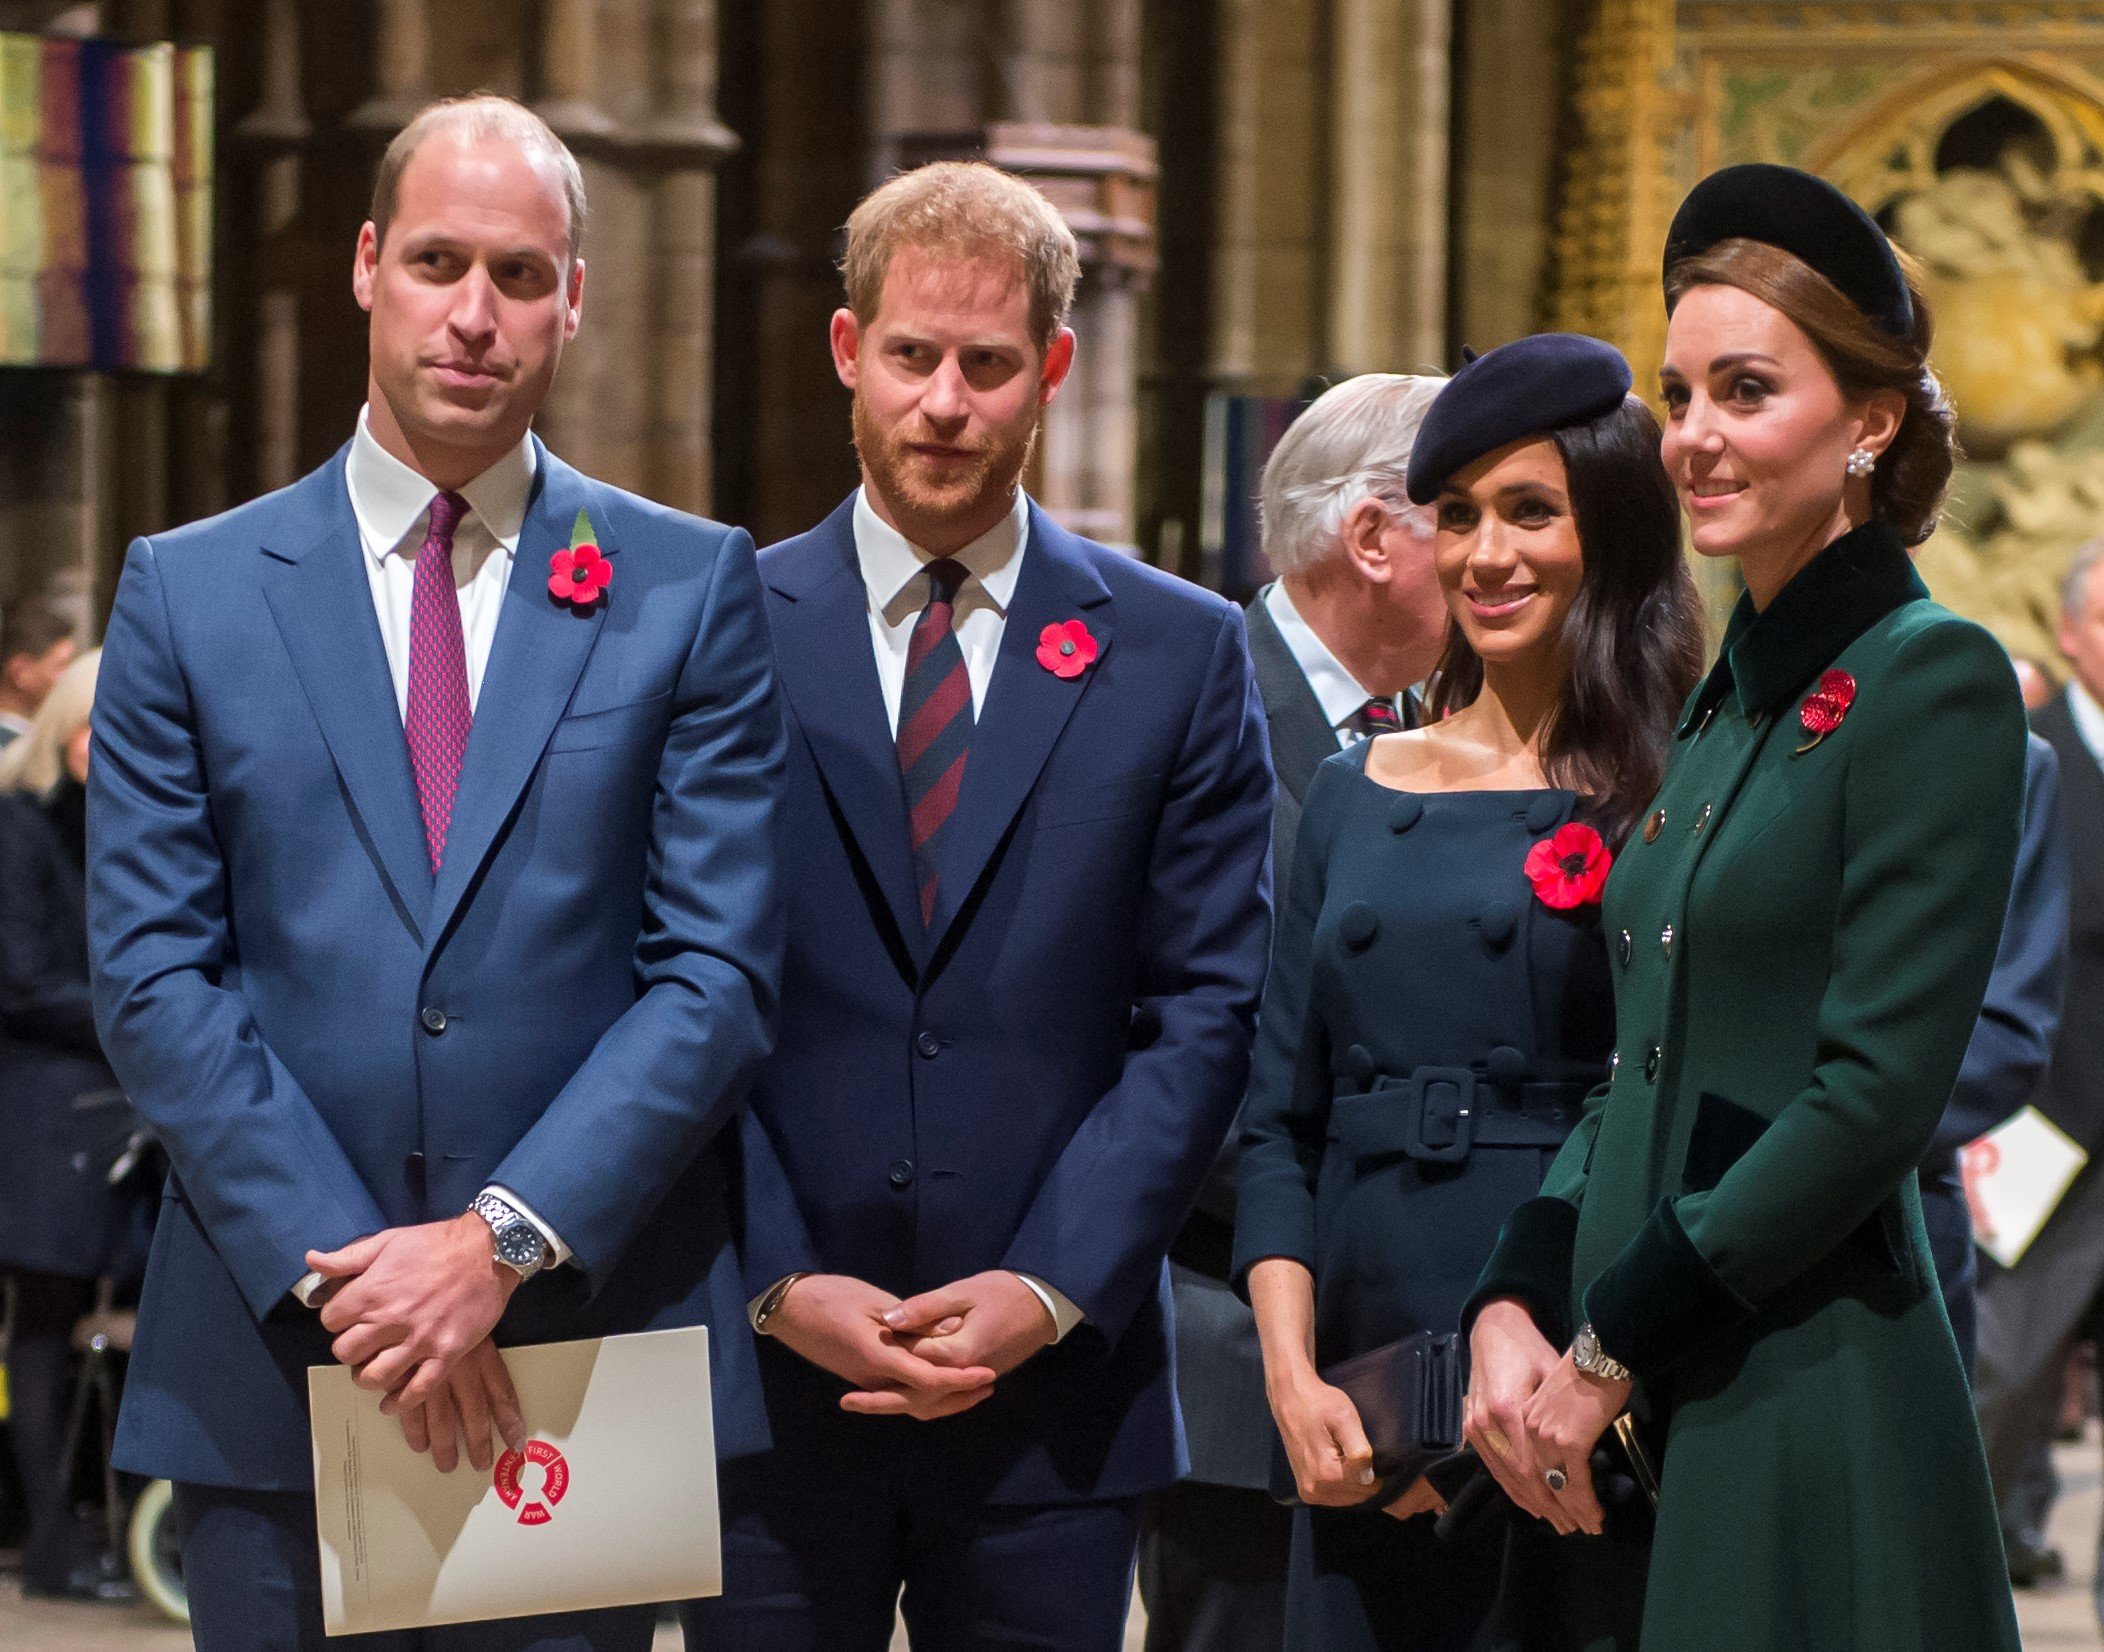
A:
(578, 574)
(1825, 706)
(1065, 648)
(1569, 868)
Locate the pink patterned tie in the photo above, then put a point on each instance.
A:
(437, 718)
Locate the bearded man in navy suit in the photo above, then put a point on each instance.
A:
(1026, 821)
(433, 907)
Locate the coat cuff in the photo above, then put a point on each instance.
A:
(1660, 1298)
(1532, 1263)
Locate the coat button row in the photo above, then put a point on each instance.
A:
(1623, 946)
(1654, 825)
(929, 1045)
(901, 1173)
(1665, 940)
(434, 1019)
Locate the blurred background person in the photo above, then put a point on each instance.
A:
(62, 1122)
(1442, 915)
(2029, 1312)
(1339, 640)
(36, 645)
(2036, 682)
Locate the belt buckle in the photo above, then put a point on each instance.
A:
(1463, 1081)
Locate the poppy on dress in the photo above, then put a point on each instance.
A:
(1569, 867)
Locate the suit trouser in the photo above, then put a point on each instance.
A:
(1213, 1569)
(252, 1566)
(818, 1563)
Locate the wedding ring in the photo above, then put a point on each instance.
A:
(1557, 1479)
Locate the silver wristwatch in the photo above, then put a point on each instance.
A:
(1588, 1356)
(517, 1242)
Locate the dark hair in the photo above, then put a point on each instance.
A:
(1908, 486)
(1634, 633)
(31, 627)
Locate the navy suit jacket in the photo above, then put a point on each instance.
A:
(1040, 1079)
(331, 1041)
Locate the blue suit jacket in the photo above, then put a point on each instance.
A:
(1040, 1081)
(330, 1041)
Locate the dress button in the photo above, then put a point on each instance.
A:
(1651, 1054)
(1359, 1064)
(929, 1045)
(1665, 940)
(1701, 820)
(1655, 825)
(1357, 925)
(1623, 946)
(1406, 813)
(1544, 812)
(1496, 924)
(1505, 1064)
(433, 1018)
(901, 1173)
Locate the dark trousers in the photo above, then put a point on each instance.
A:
(819, 1565)
(1213, 1569)
(1363, 1581)
(40, 1391)
(253, 1570)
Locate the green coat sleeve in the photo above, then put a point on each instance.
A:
(1532, 1260)
(1927, 862)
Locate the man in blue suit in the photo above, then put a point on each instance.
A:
(432, 893)
(1025, 829)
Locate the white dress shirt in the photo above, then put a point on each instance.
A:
(894, 574)
(392, 504)
(2089, 718)
(1337, 691)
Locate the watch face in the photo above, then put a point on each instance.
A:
(1586, 1349)
(518, 1245)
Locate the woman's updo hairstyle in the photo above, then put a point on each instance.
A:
(1912, 473)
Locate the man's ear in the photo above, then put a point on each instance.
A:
(1365, 538)
(574, 301)
(846, 339)
(1059, 362)
(365, 266)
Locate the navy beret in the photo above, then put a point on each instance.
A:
(1526, 388)
(1806, 217)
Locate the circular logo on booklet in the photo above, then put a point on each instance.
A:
(533, 1481)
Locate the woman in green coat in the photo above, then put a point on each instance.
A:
(1731, 1243)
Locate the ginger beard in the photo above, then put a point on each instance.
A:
(920, 490)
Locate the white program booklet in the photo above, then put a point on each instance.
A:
(612, 1503)
(2015, 1176)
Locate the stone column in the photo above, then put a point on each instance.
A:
(277, 130)
(1388, 185)
(1505, 172)
(404, 72)
(569, 71)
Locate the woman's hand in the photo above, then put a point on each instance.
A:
(1419, 1499)
(1325, 1443)
(1564, 1421)
(1509, 1360)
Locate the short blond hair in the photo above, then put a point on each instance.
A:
(963, 209)
(482, 115)
(35, 762)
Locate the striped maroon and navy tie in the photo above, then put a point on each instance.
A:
(935, 726)
(1377, 716)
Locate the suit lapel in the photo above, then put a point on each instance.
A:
(535, 660)
(1026, 708)
(1301, 736)
(322, 601)
(828, 668)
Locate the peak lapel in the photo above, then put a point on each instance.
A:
(1026, 708)
(828, 668)
(539, 652)
(322, 601)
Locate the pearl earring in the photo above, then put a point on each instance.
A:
(1862, 462)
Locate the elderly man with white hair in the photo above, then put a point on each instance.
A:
(1339, 640)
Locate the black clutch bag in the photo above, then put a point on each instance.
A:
(1408, 1395)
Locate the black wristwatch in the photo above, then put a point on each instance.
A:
(517, 1242)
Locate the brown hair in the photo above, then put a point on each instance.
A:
(1634, 633)
(964, 209)
(31, 627)
(1908, 485)
(483, 115)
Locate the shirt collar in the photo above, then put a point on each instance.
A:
(1337, 691)
(889, 562)
(390, 499)
(2089, 718)
(1837, 596)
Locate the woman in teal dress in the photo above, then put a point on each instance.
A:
(1438, 1005)
(1731, 1242)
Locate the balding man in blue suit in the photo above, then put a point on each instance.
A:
(431, 883)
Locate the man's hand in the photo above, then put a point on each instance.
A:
(413, 1302)
(475, 1399)
(992, 1320)
(839, 1324)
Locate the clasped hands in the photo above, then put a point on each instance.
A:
(928, 1356)
(1530, 1410)
(412, 1310)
